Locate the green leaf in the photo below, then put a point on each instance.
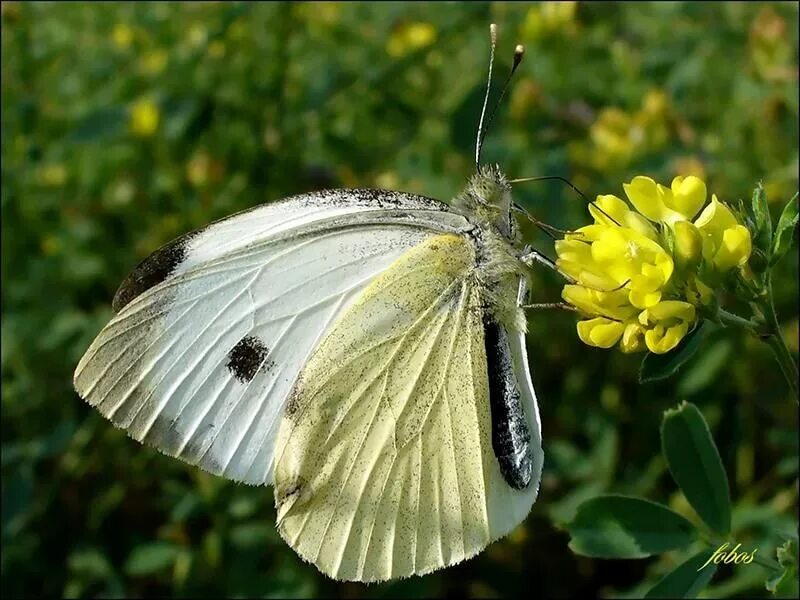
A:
(696, 466)
(660, 366)
(761, 217)
(784, 232)
(150, 558)
(687, 579)
(787, 559)
(614, 526)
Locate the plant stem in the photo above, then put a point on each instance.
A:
(776, 342)
(769, 331)
(734, 320)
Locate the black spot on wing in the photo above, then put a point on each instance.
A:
(247, 356)
(152, 270)
(510, 435)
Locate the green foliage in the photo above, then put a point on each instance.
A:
(786, 576)
(615, 526)
(785, 231)
(695, 465)
(660, 366)
(258, 101)
(687, 579)
(624, 527)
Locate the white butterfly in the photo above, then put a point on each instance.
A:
(360, 350)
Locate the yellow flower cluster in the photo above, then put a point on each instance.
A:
(641, 275)
(144, 118)
(616, 136)
(410, 37)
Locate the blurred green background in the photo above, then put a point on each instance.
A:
(125, 125)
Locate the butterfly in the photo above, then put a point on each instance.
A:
(362, 351)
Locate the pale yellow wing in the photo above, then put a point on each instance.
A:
(384, 461)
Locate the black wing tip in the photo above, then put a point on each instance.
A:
(152, 270)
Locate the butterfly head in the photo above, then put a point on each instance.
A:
(486, 200)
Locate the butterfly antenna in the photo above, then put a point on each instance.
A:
(479, 137)
(574, 188)
(519, 52)
(554, 178)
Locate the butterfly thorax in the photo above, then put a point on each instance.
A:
(486, 201)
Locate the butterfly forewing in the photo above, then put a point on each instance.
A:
(213, 329)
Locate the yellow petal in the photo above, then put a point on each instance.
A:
(715, 218)
(676, 309)
(735, 248)
(644, 194)
(609, 210)
(632, 338)
(661, 342)
(688, 244)
(600, 332)
(688, 195)
(644, 299)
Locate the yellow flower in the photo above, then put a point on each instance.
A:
(658, 203)
(613, 304)
(666, 324)
(699, 294)
(726, 243)
(605, 257)
(144, 118)
(600, 332)
(610, 210)
(216, 49)
(53, 175)
(547, 17)
(410, 37)
(122, 36)
(154, 62)
(604, 333)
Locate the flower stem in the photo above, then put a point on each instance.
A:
(775, 341)
(769, 331)
(734, 320)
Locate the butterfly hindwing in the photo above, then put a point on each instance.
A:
(212, 330)
(384, 459)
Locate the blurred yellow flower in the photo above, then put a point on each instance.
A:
(613, 138)
(144, 118)
(153, 62)
(197, 35)
(654, 104)
(409, 37)
(197, 170)
(616, 136)
(122, 36)
(216, 49)
(549, 17)
(53, 175)
(727, 243)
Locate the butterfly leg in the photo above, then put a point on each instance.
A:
(530, 256)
